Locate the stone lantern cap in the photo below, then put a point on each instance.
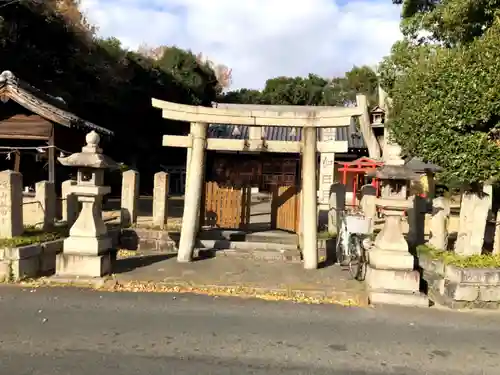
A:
(394, 172)
(91, 156)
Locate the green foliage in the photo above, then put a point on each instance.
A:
(452, 22)
(33, 236)
(446, 105)
(310, 90)
(450, 258)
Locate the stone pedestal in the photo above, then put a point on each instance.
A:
(390, 276)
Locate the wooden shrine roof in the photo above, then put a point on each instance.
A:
(45, 109)
(23, 126)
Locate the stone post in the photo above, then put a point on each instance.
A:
(439, 223)
(69, 203)
(11, 204)
(160, 200)
(192, 198)
(473, 215)
(368, 203)
(336, 205)
(416, 221)
(130, 198)
(310, 210)
(45, 195)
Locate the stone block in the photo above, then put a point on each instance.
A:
(4, 271)
(408, 281)
(23, 252)
(73, 265)
(87, 245)
(268, 255)
(461, 292)
(25, 268)
(489, 293)
(431, 265)
(146, 244)
(114, 234)
(50, 250)
(485, 276)
(393, 260)
(388, 297)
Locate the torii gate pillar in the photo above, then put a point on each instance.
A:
(192, 198)
(309, 215)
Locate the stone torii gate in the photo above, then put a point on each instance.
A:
(196, 143)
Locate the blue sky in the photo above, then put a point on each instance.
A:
(258, 39)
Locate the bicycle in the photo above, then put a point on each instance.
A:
(350, 249)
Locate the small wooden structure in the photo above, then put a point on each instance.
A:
(26, 113)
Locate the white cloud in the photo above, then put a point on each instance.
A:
(258, 39)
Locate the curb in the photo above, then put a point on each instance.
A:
(297, 295)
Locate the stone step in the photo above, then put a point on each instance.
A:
(276, 237)
(243, 245)
(397, 297)
(292, 256)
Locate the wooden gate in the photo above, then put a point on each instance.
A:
(225, 206)
(285, 208)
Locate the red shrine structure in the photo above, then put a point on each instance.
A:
(354, 174)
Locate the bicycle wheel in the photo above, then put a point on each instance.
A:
(356, 261)
(339, 250)
(363, 263)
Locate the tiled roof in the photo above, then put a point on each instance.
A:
(280, 133)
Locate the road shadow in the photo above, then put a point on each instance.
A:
(123, 265)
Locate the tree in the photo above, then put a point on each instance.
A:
(451, 22)
(50, 45)
(446, 108)
(311, 90)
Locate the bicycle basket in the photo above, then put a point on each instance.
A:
(358, 224)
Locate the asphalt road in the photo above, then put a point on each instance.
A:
(73, 332)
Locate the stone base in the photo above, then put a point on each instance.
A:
(401, 280)
(83, 265)
(87, 245)
(389, 259)
(396, 297)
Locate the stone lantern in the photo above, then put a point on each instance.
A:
(391, 276)
(86, 252)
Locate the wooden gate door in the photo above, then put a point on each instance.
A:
(225, 207)
(285, 208)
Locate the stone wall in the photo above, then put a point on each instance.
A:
(457, 287)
